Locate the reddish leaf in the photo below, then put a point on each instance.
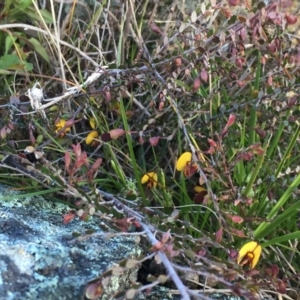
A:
(154, 140)
(82, 160)
(204, 75)
(94, 168)
(213, 146)
(3, 132)
(233, 2)
(270, 80)
(269, 272)
(107, 93)
(67, 160)
(211, 150)
(243, 33)
(240, 83)
(32, 137)
(112, 134)
(272, 47)
(68, 217)
(219, 235)
(161, 105)
(202, 252)
(212, 143)
(237, 202)
(197, 84)
(178, 61)
(245, 156)
(248, 201)
(116, 133)
(171, 251)
(231, 120)
(96, 165)
(157, 247)
(199, 197)
(239, 62)
(275, 270)
(281, 287)
(251, 273)
(261, 133)
(77, 150)
(292, 101)
(224, 132)
(233, 254)
(190, 170)
(141, 140)
(263, 60)
(237, 219)
(270, 195)
(69, 123)
(238, 233)
(290, 19)
(155, 28)
(258, 150)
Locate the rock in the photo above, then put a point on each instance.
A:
(37, 260)
(40, 258)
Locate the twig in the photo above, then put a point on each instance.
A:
(169, 267)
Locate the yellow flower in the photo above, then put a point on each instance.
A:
(60, 125)
(151, 179)
(90, 139)
(249, 254)
(184, 159)
(200, 197)
(199, 189)
(92, 122)
(184, 164)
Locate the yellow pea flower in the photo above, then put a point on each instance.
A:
(60, 125)
(90, 139)
(249, 254)
(151, 179)
(184, 165)
(92, 123)
(199, 189)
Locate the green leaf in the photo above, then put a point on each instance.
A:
(46, 15)
(284, 238)
(12, 62)
(7, 7)
(286, 215)
(9, 41)
(23, 4)
(39, 49)
(264, 227)
(8, 61)
(28, 66)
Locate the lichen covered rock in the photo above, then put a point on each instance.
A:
(39, 258)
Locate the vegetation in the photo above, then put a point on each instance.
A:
(186, 120)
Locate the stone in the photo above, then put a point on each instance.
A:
(39, 258)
